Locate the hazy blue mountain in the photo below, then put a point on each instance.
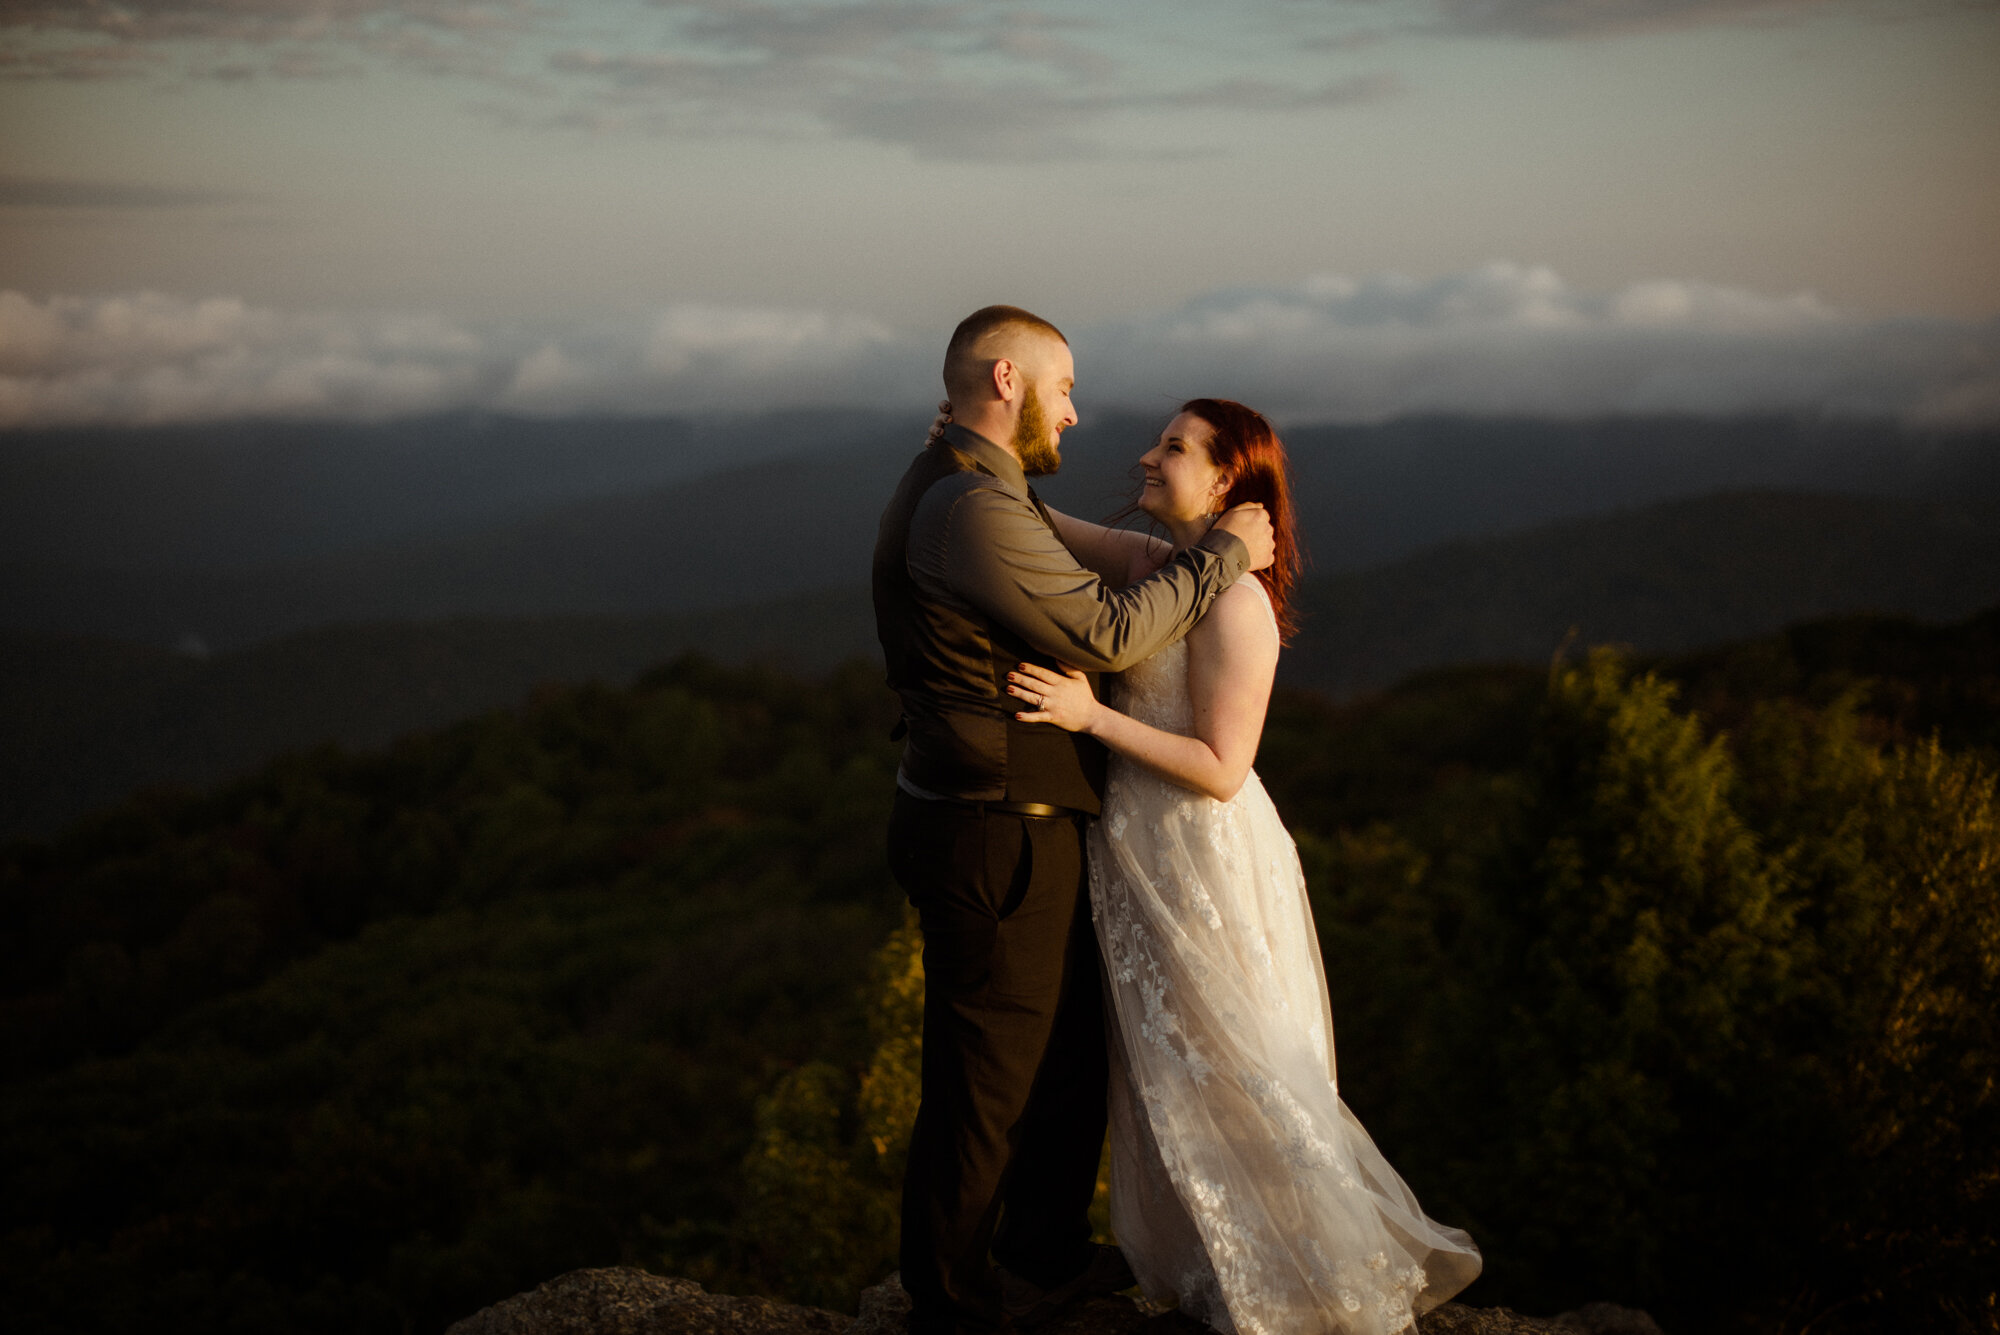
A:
(765, 530)
(613, 544)
(86, 720)
(241, 496)
(1666, 578)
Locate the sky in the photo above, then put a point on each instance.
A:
(1333, 209)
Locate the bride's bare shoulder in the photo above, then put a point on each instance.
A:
(1240, 615)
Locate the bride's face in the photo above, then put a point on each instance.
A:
(1182, 482)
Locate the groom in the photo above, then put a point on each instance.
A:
(986, 837)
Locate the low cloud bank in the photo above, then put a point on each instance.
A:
(1510, 338)
(1504, 338)
(149, 358)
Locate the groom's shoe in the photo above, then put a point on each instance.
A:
(1028, 1305)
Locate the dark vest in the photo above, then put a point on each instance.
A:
(949, 665)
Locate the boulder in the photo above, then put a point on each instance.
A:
(885, 1310)
(1608, 1319)
(622, 1301)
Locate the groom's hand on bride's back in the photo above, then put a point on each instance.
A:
(1251, 522)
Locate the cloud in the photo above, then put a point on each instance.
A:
(235, 39)
(697, 357)
(826, 32)
(738, 341)
(974, 125)
(1258, 95)
(943, 79)
(1502, 339)
(947, 81)
(549, 379)
(72, 62)
(1354, 25)
(1591, 18)
(1559, 19)
(28, 192)
(1517, 339)
(970, 124)
(149, 358)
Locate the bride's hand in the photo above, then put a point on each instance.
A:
(1062, 698)
(938, 423)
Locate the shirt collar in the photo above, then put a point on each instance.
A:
(989, 456)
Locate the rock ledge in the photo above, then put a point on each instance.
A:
(623, 1301)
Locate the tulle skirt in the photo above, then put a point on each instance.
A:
(1242, 1188)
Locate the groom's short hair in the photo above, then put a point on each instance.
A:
(971, 348)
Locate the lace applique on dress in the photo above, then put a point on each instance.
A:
(1242, 1188)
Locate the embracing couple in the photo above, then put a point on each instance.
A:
(1115, 923)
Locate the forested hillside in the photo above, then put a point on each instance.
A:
(366, 1042)
(1674, 983)
(87, 721)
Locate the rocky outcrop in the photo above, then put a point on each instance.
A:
(631, 1302)
(623, 1301)
(1608, 1319)
(885, 1310)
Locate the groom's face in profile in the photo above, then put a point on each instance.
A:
(1046, 410)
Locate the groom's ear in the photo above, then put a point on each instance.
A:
(1006, 377)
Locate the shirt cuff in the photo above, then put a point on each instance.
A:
(1232, 549)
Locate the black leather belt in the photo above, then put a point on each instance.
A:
(1038, 810)
(1042, 809)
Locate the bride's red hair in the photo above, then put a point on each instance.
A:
(1247, 447)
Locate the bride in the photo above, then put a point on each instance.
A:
(1242, 1188)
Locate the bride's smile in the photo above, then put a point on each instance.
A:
(1183, 485)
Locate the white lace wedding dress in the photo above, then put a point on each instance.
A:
(1242, 1188)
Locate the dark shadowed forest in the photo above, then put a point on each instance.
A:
(1673, 980)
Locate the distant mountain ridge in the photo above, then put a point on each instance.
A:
(765, 531)
(86, 720)
(242, 496)
(1670, 577)
(617, 540)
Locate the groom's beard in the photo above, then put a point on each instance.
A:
(1034, 444)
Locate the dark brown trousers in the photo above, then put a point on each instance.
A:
(1011, 1127)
